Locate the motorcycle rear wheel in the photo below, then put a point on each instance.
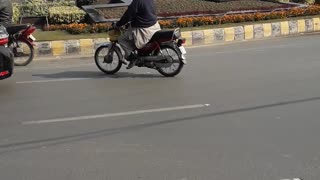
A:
(175, 66)
(23, 52)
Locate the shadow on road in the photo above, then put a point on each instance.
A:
(95, 75)
(34, 144)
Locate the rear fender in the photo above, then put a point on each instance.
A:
(175, 47)
(25, 39)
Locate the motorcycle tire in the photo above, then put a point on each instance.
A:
(15, 53)
(180, 63)
(103, 69)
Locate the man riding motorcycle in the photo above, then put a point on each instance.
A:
(143, 25)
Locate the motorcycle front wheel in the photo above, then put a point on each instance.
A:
(170, 69)
(108, 60)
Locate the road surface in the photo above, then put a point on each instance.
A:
(247, 111)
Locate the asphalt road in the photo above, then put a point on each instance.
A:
(243, 111)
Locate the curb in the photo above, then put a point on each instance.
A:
(86, 47)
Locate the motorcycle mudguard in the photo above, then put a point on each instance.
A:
(106, 44)
(174, 46)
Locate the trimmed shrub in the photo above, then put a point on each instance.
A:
(16, 12)
(33, 8)
(37, 7)
(65, 15)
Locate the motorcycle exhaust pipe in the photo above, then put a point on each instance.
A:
(153, 58)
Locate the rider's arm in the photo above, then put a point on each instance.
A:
(129, 14)
(5, 12)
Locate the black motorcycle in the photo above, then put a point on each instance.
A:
(165, 53)
(6, 55)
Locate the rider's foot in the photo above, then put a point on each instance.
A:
(131, 64)
(132, 60)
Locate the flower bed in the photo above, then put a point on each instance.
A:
(75, 28)
(200, 21)
(190, 7)
(196, 21)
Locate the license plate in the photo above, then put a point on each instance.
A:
(32, 37)
(182, 50)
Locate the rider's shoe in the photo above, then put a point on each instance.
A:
(131, 64)
(132, 58)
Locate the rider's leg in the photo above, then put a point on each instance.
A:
(127, 43)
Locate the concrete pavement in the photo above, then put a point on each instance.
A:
(262, 122)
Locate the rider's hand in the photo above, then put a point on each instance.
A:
(114, 26)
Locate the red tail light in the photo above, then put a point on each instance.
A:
(181, 41)
(4, 41)
(4, 73)
(29, 30)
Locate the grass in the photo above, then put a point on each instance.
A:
(62, 35)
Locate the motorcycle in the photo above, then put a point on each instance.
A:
(164, 52)
(6, 56)
(21, 42)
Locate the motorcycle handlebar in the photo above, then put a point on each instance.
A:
(114, 27)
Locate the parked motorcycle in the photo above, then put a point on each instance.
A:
(21, 42)
(6, 56)
(165, 53)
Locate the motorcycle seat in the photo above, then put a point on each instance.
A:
(16, 28)
(163, 34)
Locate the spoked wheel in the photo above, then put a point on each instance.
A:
(108, 59)
(23, 52)
(172, 68)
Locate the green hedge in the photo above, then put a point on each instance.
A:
(59, 11)
(37, 7)
(33, 8)
(65, 15)
(16, 12)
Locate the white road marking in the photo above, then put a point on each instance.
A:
(117, 114)
(52, 80)
(53, 67)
